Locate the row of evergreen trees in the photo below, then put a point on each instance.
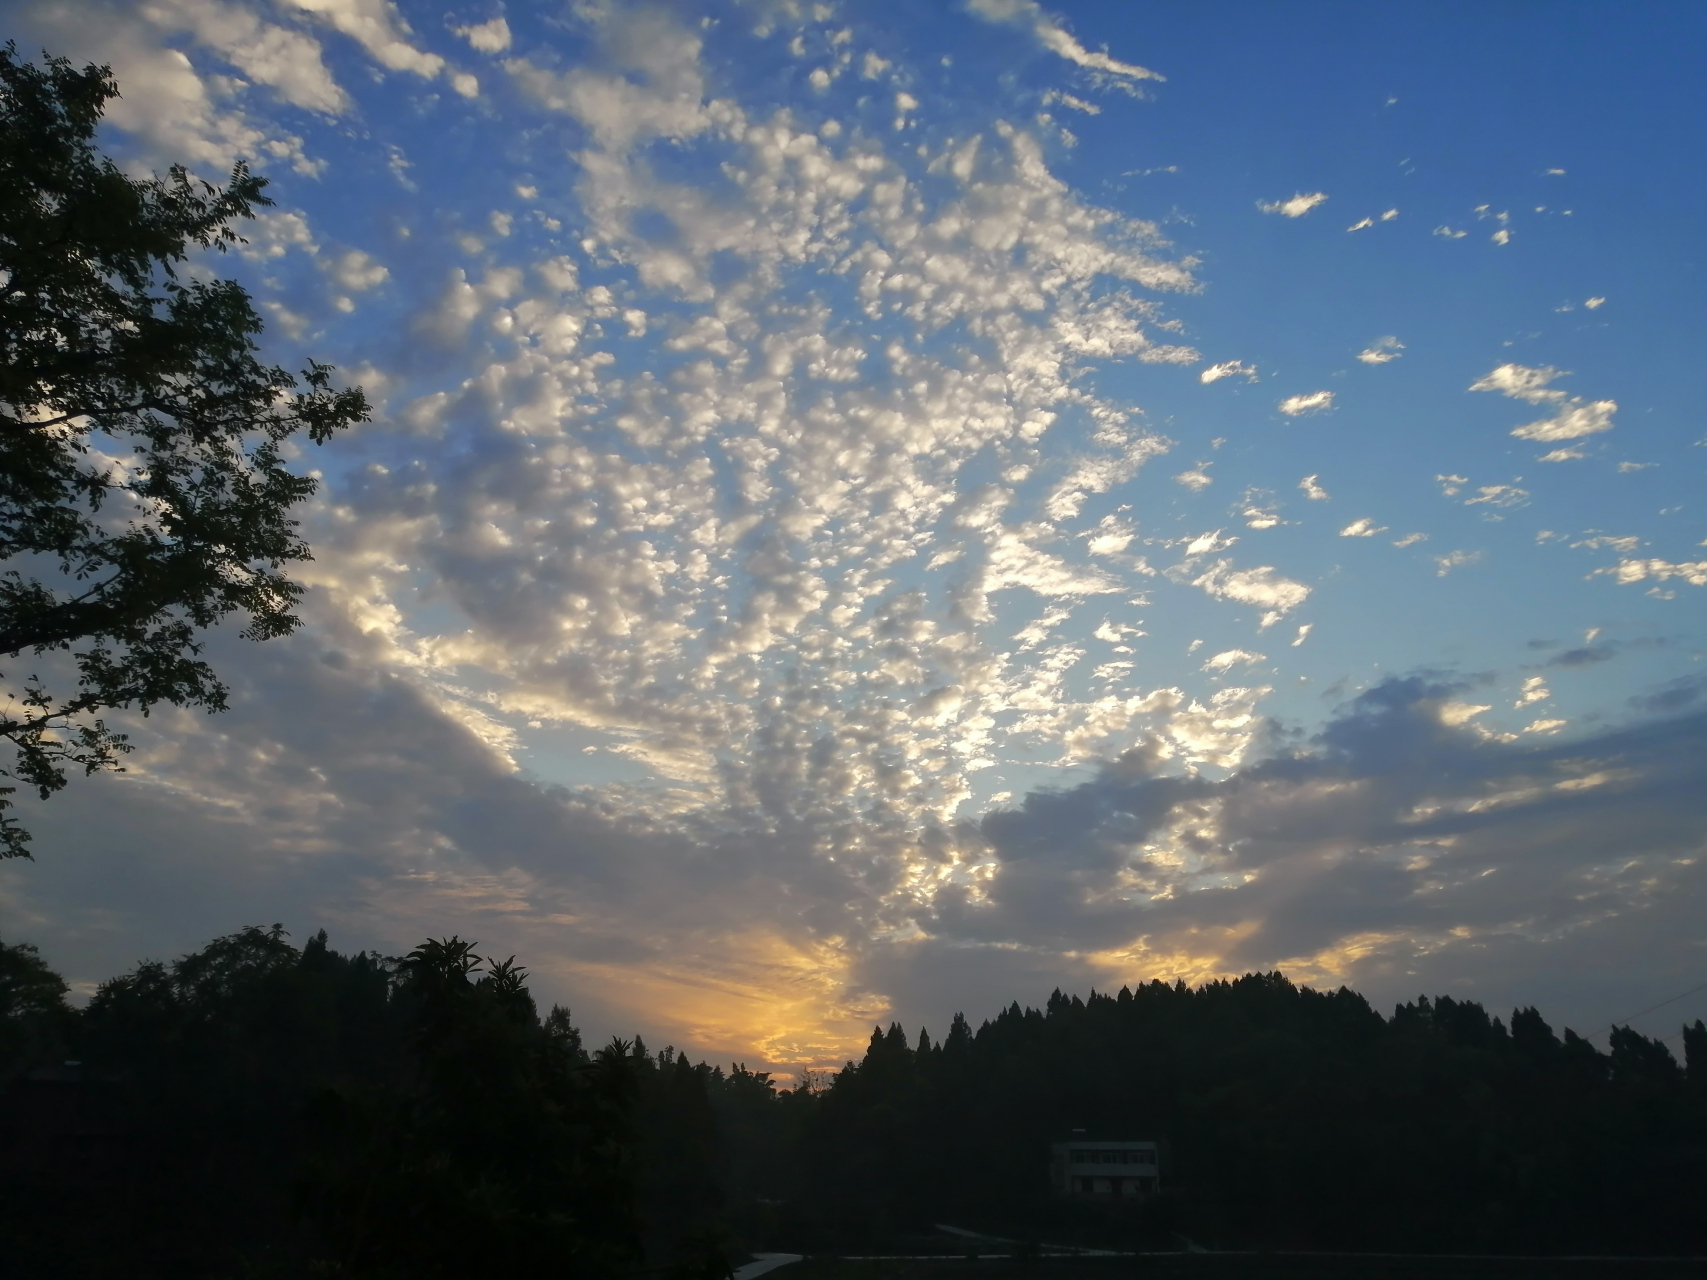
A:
(1294, 1119)
(256, 1108)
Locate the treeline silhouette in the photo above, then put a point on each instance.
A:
(1294, 1119)
(259, 1109)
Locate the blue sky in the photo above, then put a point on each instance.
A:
(879, 512)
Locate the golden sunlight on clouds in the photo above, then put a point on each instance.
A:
(754, 996)
(1195, 955)
(1332, 966)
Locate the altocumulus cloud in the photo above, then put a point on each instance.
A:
(677, 503)
(747, 508)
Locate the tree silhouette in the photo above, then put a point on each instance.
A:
(254, 1105)
(144, 494)
(34, 1017)
(499, 1149)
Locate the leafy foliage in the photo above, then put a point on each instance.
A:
(34, 1017)
(144, 488)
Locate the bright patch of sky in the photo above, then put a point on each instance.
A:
(817, 439)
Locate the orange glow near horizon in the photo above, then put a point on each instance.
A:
(762, 999)
(777, 1004)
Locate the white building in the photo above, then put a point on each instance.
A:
(1111, 1170)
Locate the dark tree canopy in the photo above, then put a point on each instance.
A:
(258, 1109)
(144, 491)
(34, 1016)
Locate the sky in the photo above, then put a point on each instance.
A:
(877, 511)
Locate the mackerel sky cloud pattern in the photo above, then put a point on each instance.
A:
(832, 544)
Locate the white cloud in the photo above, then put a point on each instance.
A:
(1361, 224)
(664, 98)
(1262, 587)
(1381, 351)
(1296, 207)
(1522, 383)
(1230, 658)
(1627, 544)
(1575, 419)
(1228, 369)
(1389, 215)
(1639, 570)
(1258, 509)
(1197, 479)
(1052, 96)
(178, 113)
(1410, 540)
(1594, 303)
(1454, 560)
(492, 36)
(1363, 528)
(1534, 690)
(275, 232)
(1098, 473)
(284, 59)
(1455, 714)
(1208, 543)
(1111, 536)
(1498, 495)
(379, 28)
(1307, 402)
(355, 270)
(1055, 38)
(1312, 490)
(1450, 233)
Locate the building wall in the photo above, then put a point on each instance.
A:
(1105, 1169)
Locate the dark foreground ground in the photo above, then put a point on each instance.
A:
(1230, 1266)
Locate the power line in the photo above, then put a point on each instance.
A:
(1624, 1022)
